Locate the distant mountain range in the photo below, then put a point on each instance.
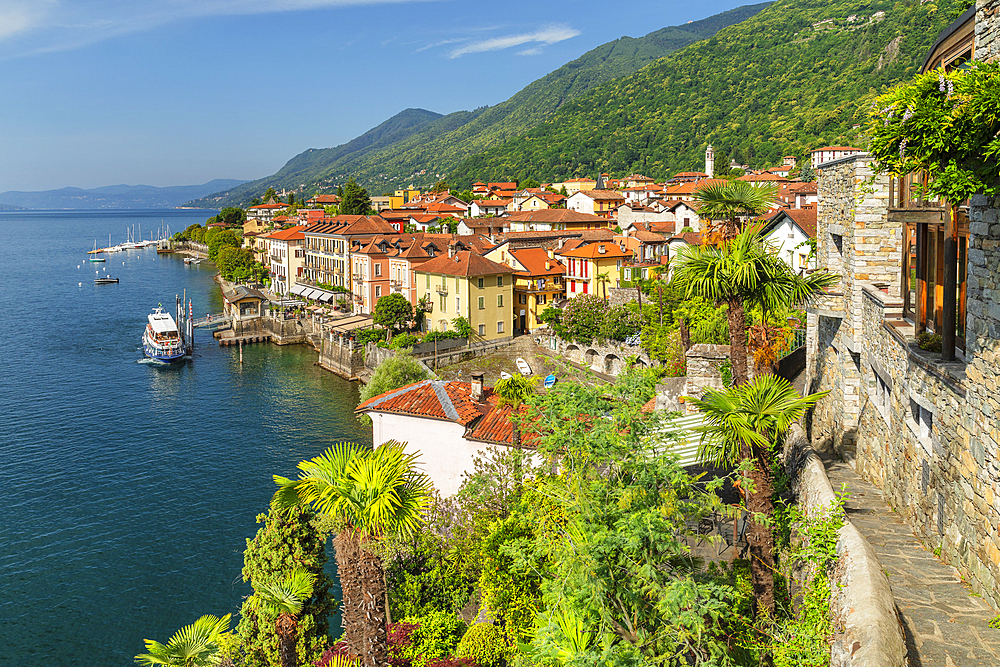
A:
(416, 146)
(113, 196)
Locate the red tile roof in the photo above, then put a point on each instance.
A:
(534, 261)
(602, 194)
(484, 420)
(290, 234)
(555, 215)
(593, 251)
(464, 263)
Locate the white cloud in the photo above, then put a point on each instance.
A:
(543, 37)
(30, 27)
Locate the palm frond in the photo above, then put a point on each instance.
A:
(191, 646)
(286, 596)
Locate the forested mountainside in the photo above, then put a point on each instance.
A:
(416, 145)
(796, 76)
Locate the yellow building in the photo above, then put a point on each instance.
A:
(575, 185)
(471, 286)
(402, 197)
(592, 268)
(537, 283)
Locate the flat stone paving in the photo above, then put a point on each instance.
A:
(945, 624)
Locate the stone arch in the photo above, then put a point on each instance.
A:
(612, 364)
(590, 357)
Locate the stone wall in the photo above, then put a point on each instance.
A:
(867, 630)
(703, 369)
(926, 431)
(856, 241)
(608, 359)
(987, 30)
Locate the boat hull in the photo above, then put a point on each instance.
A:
(165, 355)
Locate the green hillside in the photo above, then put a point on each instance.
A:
(417, 145)
(791, 78)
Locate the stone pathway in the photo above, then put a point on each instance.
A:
(945, 624)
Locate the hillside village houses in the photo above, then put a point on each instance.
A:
(469, 285)
(552, 247)
(922, 425)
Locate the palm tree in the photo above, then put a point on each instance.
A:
(745, 425)
(603, 279)
(729, 205)
(193, 645)
(374, 495)
(284, 599)
(741, 273)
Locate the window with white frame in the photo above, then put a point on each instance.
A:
(482, 303)
(500, 327)
(920, 419)
(482, 329)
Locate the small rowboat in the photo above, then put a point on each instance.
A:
(523, 367)
(504, 375)
(106, 280)
(550, 381)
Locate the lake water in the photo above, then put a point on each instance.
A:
(130, 489)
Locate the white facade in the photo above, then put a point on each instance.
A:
(790, 242)
(830, 153)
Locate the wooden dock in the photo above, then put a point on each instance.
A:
(246, 340)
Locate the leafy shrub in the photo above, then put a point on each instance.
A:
(364, 336)
(425, 577)
(583, 318)
(929, 341)
(485, 644)
(436, 636)
(432, 336)
(403, 340)
(393, 373)
(453, 662)
(620, 323)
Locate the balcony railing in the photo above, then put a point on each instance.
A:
(442, 289)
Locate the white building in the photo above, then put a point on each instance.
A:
(830, 153)
(447, 423)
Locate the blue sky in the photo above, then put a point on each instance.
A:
(178, 92)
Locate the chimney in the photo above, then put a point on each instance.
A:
(561, 241)
(601, 249)
(451, 250)
(477, 386)
(550, 253)
(548, 266)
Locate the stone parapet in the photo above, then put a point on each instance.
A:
(868, 632)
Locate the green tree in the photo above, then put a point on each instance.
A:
(270, 194)
(440, 186)
(232, 216)
(462, 327)
(288, 540)
(194, 645)
(221, 239)
(529, 183)
(283, 600)
(729, 206)
(745, 427)
(741, 273)
(395, 372)
(513, 392)
(394, 312)
(354, 200)
(373, 496)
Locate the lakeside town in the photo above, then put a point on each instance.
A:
(726, 348)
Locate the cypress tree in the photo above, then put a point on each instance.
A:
(288, 539)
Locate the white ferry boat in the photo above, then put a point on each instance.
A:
(162, 340)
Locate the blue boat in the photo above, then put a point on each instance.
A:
(550, 381)
(162, 340)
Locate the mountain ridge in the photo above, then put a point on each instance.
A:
(437, 146)
(112, 196)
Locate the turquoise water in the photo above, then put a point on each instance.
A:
(130, 489)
